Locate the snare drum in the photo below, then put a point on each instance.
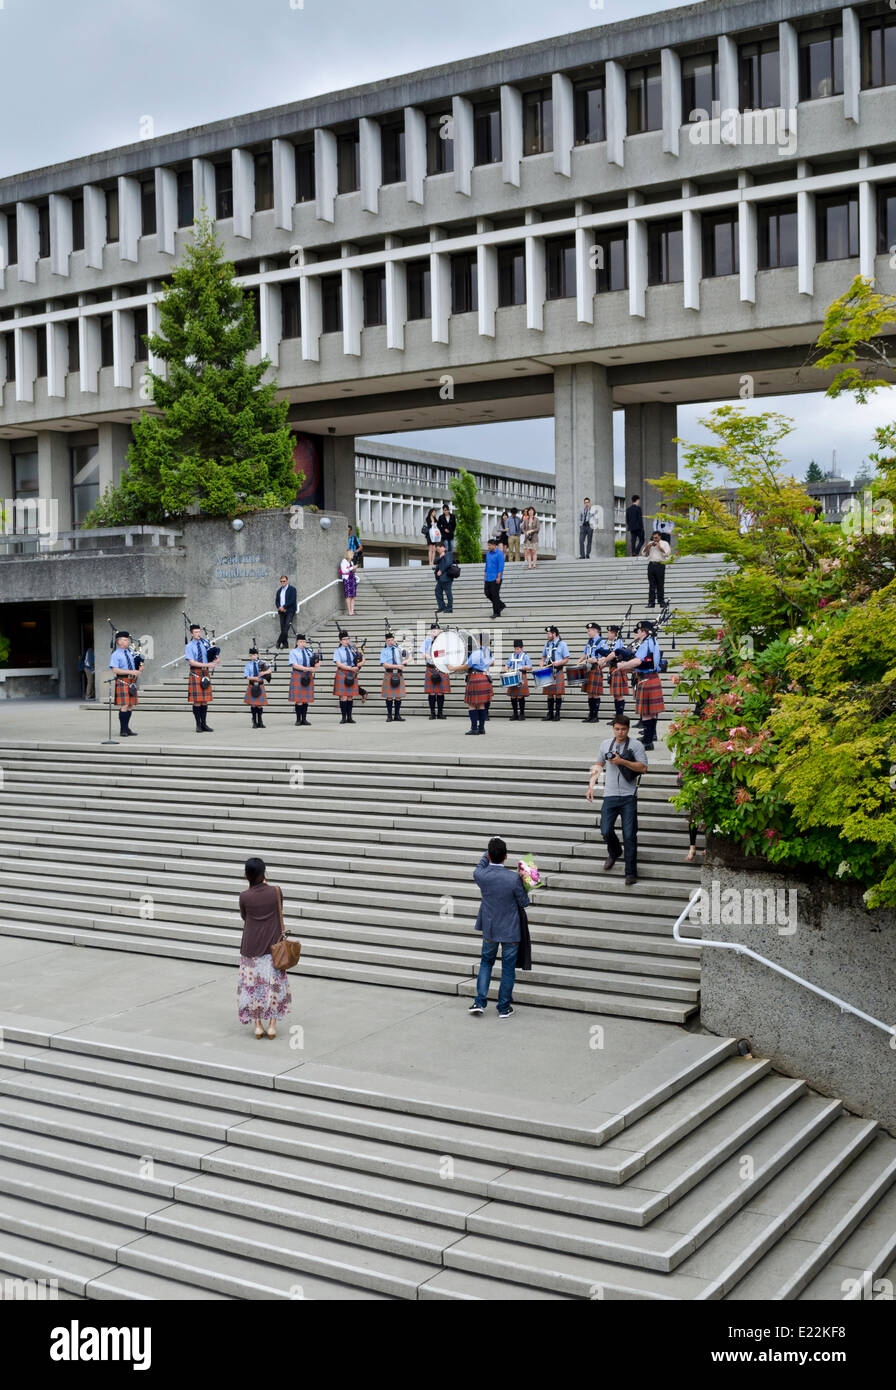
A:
(576, 675)
(544, 677)
(511, 680)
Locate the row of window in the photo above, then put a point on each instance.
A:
(141, 328)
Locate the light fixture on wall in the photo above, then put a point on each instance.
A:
(325, 523)
(237, 524)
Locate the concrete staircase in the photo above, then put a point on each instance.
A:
(133, 1173)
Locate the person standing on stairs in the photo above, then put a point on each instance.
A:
(436, 683)
(121, 661)
(478, 694)
(618, 679)
(444, 580)
(494, 572)
(345, 681)
(349, 582)
(392, 689)
(595, 648)
(656, 552)
(556, 654)
(301, 678)
(256, 697)
(625, 760)
(199, 691)
(519, 662)
(586, 529)
(286, 602)
(263, 993)
(503, 898)
(649, 702)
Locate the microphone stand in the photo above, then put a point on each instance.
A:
(111, 683)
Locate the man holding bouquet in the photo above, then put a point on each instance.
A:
(504, 897)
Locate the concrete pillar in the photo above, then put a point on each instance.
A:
(396, 296)
(788, 47)
(462, 125)
(511, 133)
(805, 238)
(5, 480)
(564, 122)
(284, 162)
(89, 346)
(852, 60)
(617, 118)
(691, 254)
(204, 192)
(94, 225)
(370, 159)
(325, 175)
(729, 91)
(271, 313)
(747, 231)
(26, 363)
(28, 229)
(243, 164)
(586, 274)
(166, 210)
(339, 474)
(130, 218)
(352, 305)
(54, 478)
(311, 307)
(583, 454)
(415, 152)
(123, 348)
(113, 442)
(487, 279)
(536, 277)
(57, 358)
(637, 268)
(60, 233)
(440, 295)
(867, 229)
(650, 429)
(4, 248)
(670, 70)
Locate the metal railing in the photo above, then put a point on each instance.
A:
(742, 950)
(270, 613)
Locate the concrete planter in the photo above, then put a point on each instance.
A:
(823, 932)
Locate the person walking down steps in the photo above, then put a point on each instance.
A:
(263, 993)
(503, 898)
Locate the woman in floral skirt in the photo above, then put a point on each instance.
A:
(263, 990)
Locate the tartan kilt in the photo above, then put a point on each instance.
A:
(594, 685)
(340, 689)
(479, 690)
(301, 694)
(125, 693)
(433, 687)
(618, 684)
(518, 692)
(557, 686)
(649, 700)
(250, 698)
(195, 694)
(392, 692)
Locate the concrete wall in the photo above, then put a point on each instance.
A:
(838, 945)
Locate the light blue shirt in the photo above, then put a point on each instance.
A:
(390, 655)
(480, 659)
(254, 668)
(518, 662)
(429, 644)
(344, 655)
(300, 656)
(555, 651)
(647, 649)
(122, 660)
(197, 650)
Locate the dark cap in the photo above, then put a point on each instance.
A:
(553, 628)
(253, 649)
(342, 633)
(517, 641)
(121, 634)
(300, 637)
(597, 625)
(614, 627)
(435, 627)
(391, 634)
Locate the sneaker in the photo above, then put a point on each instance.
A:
(476, 1009)
(507, 1014)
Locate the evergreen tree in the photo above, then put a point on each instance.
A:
(468, 536)
(814, 473)
(219, 437)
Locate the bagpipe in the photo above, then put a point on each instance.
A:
(133, 647)
(395, 676)
(306, 672)
(357, 653)
(211, 655)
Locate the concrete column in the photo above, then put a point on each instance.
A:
(691, 255)
(243, 163)
(352, 305)
(563, 107)
(511, 133)
(487, 276)
(617, 118)
(650, 429)
(462, 125)
(326, 171)
(130, 218)
(60, 233)
(122, 348)
(270, 303)
(89, 346)
(396, 297)
(54, 477)
(338, 464)
(670, 70)
(805, 239)
(747, 248)
(94, 225)
(26, 363)
(166, 210)
(586, 275)
(28, 228)
(204, 191)
(852, 62)
(4, 248)
(867, 229)
(113, 442)
(583, 454)
(440, 295)
(370, 158)
(789, 59)
(57, 358)
(284, 162)
(414, 152)
(729, 87)
(536, 278)
(153, 317)
(311, 307)
(637, 268)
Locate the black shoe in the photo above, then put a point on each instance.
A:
(441, 716)
(648, 747)
(298, 721)
(546, 717)
(432, 716)
(514, 718)
(630, 879)
(343, 720)
(389, 718)
(400, 719)
(609, 862)
(259, 725)
(507, 1013)
(471, 733)
(476, 1009)
(350, 720)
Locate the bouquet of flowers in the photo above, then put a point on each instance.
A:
(529, 872)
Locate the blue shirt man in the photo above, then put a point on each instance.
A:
(504, 899)
(494, 569)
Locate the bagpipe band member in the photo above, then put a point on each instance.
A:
(345, 681)
(122, 662)
(256, 697)
(301, 678)
(436, 683)
(595, 648)
(556, 654)
(649, 702)
(392, 689)
(519, 662)
(199, 691)
(478, 693)
(618, 678)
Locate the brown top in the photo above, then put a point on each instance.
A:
(260, 910)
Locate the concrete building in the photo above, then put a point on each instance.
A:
(652, 211)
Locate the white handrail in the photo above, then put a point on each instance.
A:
(742, 950)
(271, 613)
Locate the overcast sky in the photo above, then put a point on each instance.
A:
(83, 77)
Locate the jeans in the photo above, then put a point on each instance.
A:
(444, 597)
(627, 808)
(509, 953)
(585, 534)
(656, 583)
(637, 541)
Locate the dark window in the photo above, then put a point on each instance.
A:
(106, 348)
(141, 327)
(291, 310)
(185, 198)
(699, 84)
(264, 181)
(419, 298)
(886, 217)
(10, 356)
(611, 249)
(837, 226)
(305, 174)
(331, 303)
(224, 189)
(74, 346)
(348, 161)
(28, 626)
(43, 231)
(879, 52)
(439, 145)
(487, 132)
(511, 276)
(590, 115)
(111, 214)
(777, 235)
(464, 283)
(821, 63)
(665, 261)
(12, 235)
(392, 146)
(374, 286)
(720, 244)
(645, 99)
(538, 122)
(148, 206)
(40, 338)
(760, 75)
(85, 470)
(560, 267)
(78, 224)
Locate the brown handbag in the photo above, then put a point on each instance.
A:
(284, 953)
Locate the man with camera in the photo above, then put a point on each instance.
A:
(625, 760)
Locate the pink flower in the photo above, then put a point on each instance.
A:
(742, 796)
(772, 836)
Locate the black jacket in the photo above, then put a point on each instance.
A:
(634, 518)
(447, 525)
(440, 567)
(292, 598)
